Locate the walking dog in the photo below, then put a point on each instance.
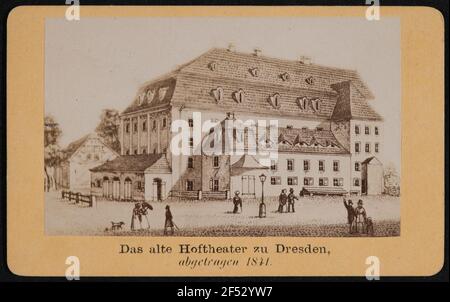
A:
(117, 225)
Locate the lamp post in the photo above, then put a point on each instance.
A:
(262, 205)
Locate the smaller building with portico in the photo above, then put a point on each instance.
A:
(133, 177)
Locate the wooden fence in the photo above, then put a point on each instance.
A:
(78, 197)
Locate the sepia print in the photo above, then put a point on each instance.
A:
(222, 127)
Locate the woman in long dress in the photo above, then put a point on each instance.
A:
(360, 217)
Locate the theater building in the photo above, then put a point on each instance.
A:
(329, 138)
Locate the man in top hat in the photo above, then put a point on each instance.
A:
(282, 199)
(350, 214)
(291, 201)
(237, 201)
(169, 221)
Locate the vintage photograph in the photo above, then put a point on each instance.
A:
(222, 127)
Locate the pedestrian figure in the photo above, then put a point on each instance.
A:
(282, 199)
(237, 202)
(136, 216)
(145, 206)
(350, 215)
(291, 201)
(360, 217)
(169, 221)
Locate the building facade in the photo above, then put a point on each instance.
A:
(326, 129)
(80, 156)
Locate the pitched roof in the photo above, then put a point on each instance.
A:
(75, 145)
(309, 141)
(192, 85)
(351, 103)
(129, 163)
(372, 159)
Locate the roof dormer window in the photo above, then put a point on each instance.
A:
(141, 98)
(274, 100)
(212, 66)
(285, 76)
(309, 80)
(315, 104)
(254, 71)
(239, 96)
(302, 102)
(149, 95)
(217, 94)
(162, 93)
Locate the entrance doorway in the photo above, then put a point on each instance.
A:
(116, 188)
(127, 189)
(157, 187)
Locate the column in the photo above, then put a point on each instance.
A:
(139, 134)
(130, 150)
(121, 136)
(158, 133)
(148, 133)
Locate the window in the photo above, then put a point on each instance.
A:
(135, 127)
(308, 181)
(191, 142)
(356, 182)
(190, 162)
(367, 130)
(275, 180)
(323, 181)
(128, 152)
(367, 148)
(164, 122)
(139, 185)
(215, 185)
(357, 166)
(356, 129)
(127, 128)
(321, 165)
(154, 125)
(189, 185)
(289, 126)
(273, 165)
(144, 126)
(216, 162)
(290, 165)
(357, 147)
(336, 166)
(338, 182)
(292, 181)
(376, 131)
(135, 151)
(306, 165)
(191, 123)
(377, 147)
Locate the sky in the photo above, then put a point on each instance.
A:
(99, 63)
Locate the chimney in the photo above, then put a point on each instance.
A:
(305, 60)
(257, 52)
(231, 47)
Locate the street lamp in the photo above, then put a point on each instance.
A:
(262, 205)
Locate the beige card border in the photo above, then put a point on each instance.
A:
(419, 251)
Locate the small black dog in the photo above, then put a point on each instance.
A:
(369, 226)
(117, 225)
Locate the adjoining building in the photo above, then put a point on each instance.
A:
(327, 130)
(79, 157)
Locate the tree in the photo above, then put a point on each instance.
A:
(391, 180)
(52, 152)
(108, 128)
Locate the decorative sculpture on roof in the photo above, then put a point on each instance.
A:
(239, 96)
(217, 94)
(274, 100)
